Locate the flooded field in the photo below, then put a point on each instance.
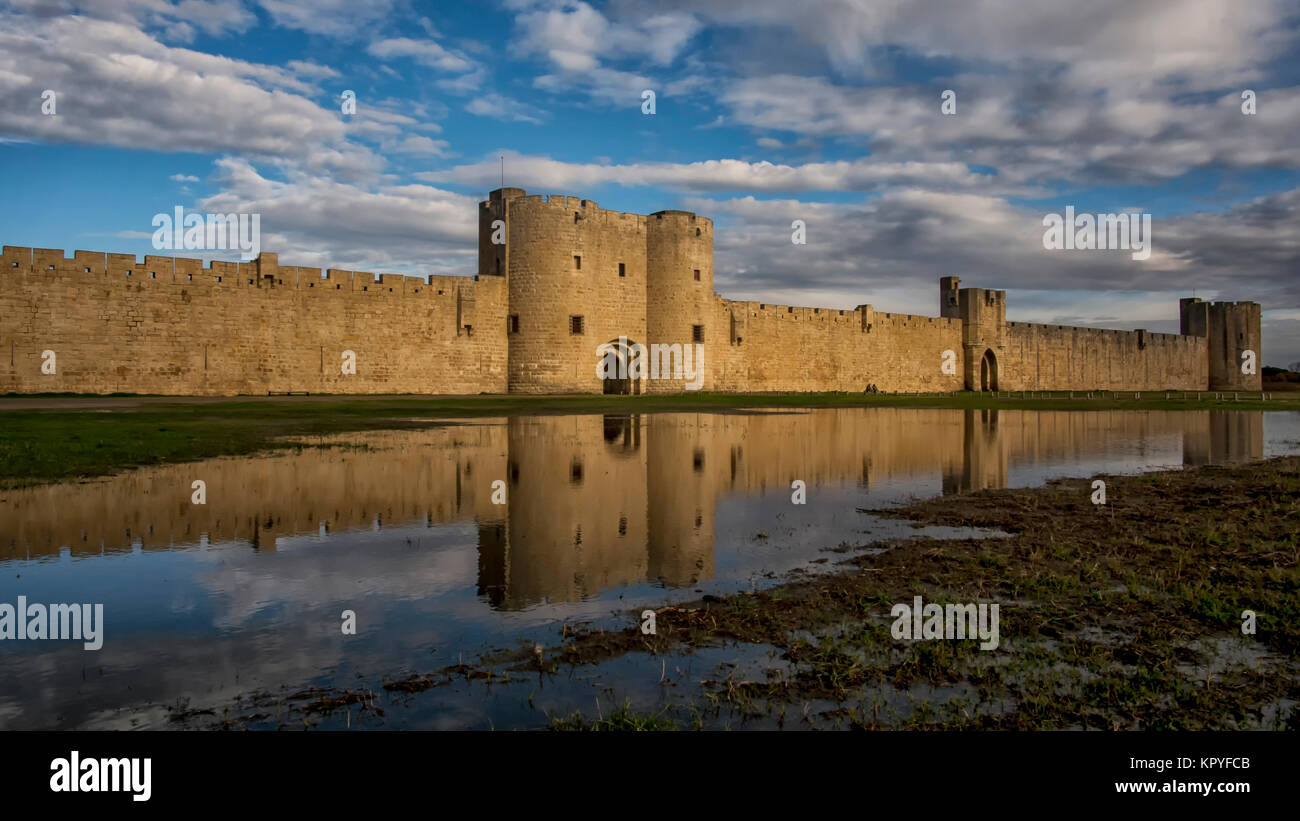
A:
(498, 533)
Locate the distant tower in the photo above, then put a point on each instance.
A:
(1230, 329)
(493, 258)
(1234, 329)
(1193, 317)
(949, 306)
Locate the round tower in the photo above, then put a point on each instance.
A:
(576, 283)
(679, 295)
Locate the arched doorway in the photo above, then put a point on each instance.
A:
(988, 371)
(618, 355)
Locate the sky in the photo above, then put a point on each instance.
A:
(766, 112)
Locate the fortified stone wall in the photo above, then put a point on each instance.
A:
(786, 348)
(1061, 357)
(568, 279)
(171, 326)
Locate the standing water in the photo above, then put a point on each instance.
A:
(445, 542)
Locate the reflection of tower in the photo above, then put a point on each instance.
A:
(1224, 437)
(263, 536)
(493, 562)
(576, 520)
(684, 463)
(984, 460)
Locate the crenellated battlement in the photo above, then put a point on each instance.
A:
(568, 205)
(263, 272)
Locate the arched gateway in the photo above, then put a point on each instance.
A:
(618, 354)
(988, 371)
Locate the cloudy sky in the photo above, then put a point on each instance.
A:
(765, 112)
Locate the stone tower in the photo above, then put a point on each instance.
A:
(1230, 330)
(576, 281)
(679, 288)
(983, 314)
(949, 304)
(493, 258)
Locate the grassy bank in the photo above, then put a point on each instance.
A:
(56, 438)
(1122, 616)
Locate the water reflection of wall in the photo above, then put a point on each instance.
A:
(593, 502)
(437, 475)
(1223, 438)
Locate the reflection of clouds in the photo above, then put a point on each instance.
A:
(311, 573)
(183, 601)
(134, 676)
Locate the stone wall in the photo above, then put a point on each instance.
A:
(1061, 357)
(770, 347)
(172, 326)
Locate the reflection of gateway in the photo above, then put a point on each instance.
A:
(623, 431)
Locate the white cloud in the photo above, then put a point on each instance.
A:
(315, 221)
(724, 175)
(419, 144)
(1108, 43)
(504, 108)
(578, 42)
(116, 85)
(306, 68)
(345, 19)
(425, 52)
(181, 18)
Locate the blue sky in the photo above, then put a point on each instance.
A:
(765, 113)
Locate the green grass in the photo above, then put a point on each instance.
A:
(622, 720)
(81, 440)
